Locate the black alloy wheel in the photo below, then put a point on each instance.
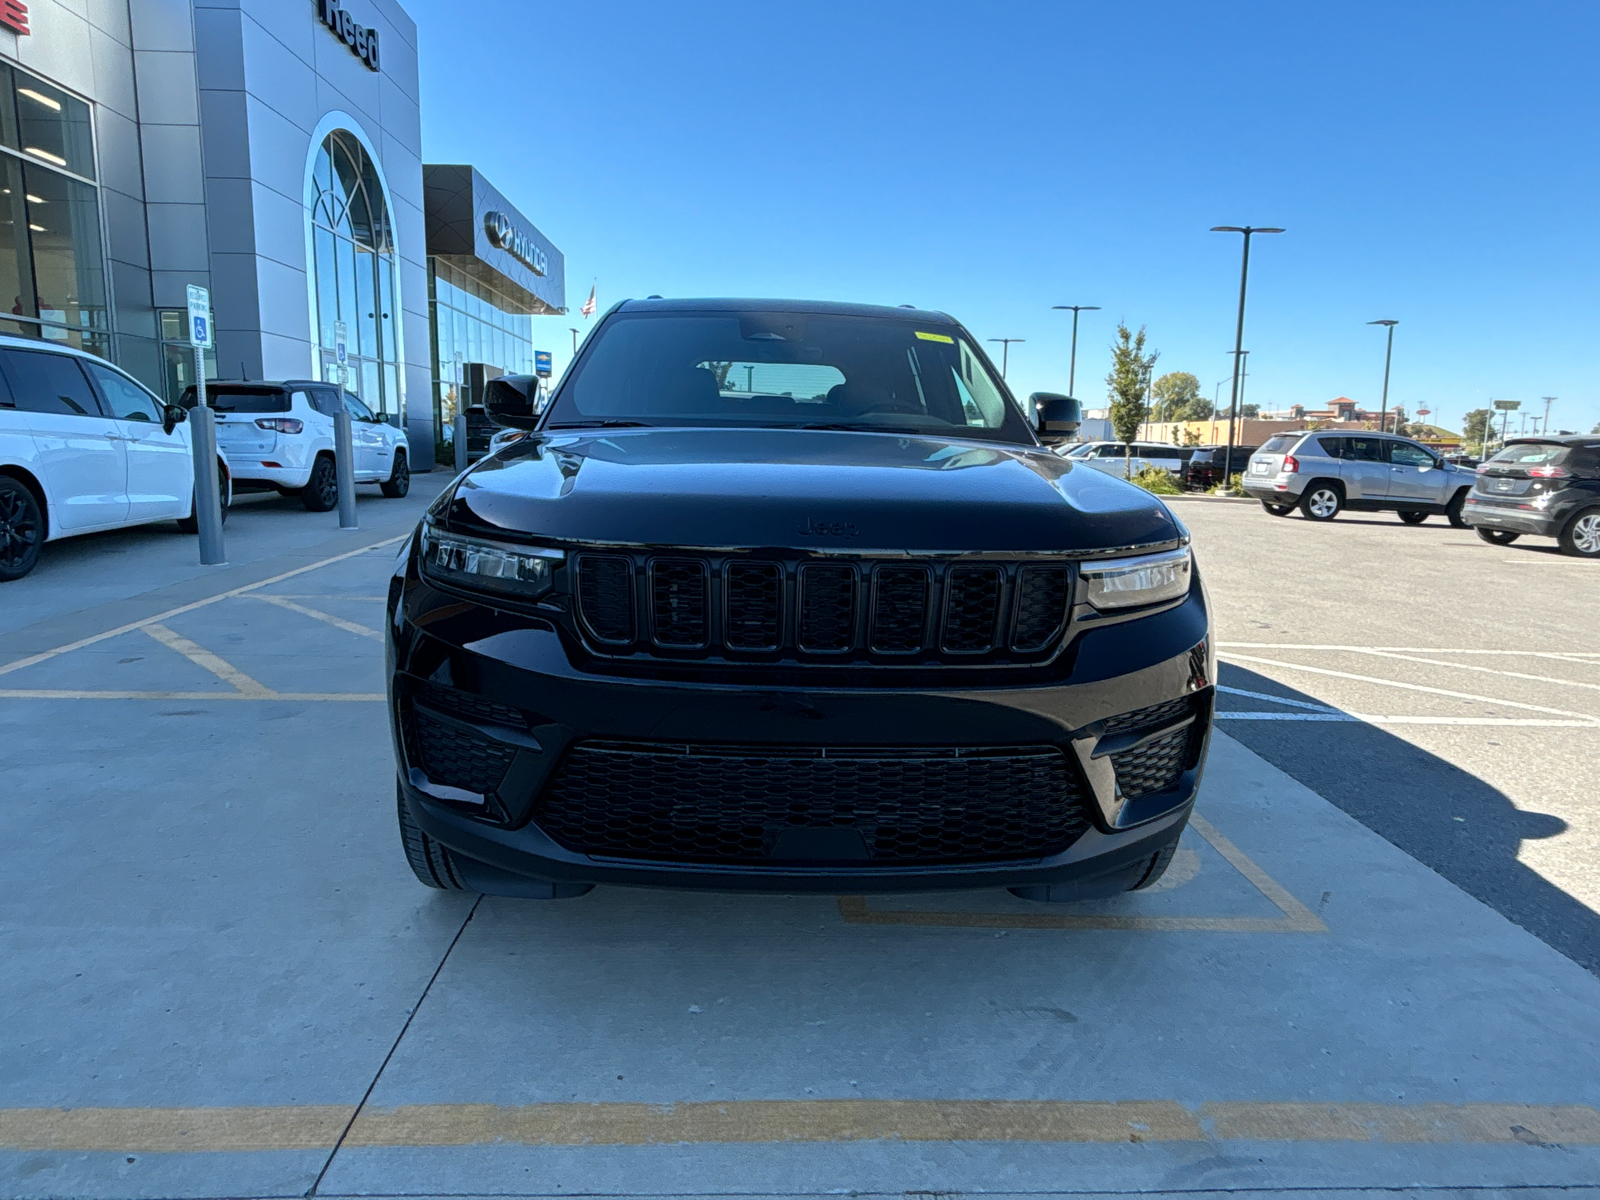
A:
(1277, 510)
(321, 493)
(21, 529)
(399, 481)
(1413, 518)
(1498, 537)
(1452, 511)
(1581, 537)
(1321, 502)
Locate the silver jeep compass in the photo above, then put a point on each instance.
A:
(1322, 473)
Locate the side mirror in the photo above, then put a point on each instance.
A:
(512, 401)
(173, 415)
(1056, 417)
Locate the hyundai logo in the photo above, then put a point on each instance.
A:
(513, 241)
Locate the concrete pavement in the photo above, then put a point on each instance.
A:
(222, 979)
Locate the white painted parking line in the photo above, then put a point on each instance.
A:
(1439, 662)
(1322, 708)
(69, 694)
(1376, 719)
(46, 655)
(1411, 687)
(1589, 656)
(336, 622)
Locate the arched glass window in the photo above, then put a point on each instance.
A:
(354, 268)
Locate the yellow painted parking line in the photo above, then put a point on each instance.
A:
(201, 657)
(1296, 918)
(46, 655)
(158, 1130)
(67, 694)
(336, 622)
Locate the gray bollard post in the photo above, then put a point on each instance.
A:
(344, 469)
(207, 488)
(461, 442)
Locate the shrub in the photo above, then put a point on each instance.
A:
(1158, 480)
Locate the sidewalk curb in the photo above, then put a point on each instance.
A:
(1200, 497)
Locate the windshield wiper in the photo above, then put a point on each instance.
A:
(608, 424)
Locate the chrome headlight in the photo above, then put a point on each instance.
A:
(1130, 582)
(519, 572)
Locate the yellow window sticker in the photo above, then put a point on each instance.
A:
(936, 337)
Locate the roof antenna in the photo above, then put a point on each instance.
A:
(243, 374)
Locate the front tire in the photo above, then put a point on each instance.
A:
(1321, 502)
(1277, 510)
(1453, 510)
(1581, 537)
(321, 493)
(1413, 518)
(1498, 537)
(430, 861)
(399, 481)
(21, 529)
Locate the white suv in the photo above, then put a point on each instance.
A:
(84, 448)
(281, 434)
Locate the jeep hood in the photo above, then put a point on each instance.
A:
(802, 489)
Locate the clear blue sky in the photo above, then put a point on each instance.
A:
(1434, 163)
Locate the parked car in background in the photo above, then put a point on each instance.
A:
(1545, 486)
(280, 434)
(1114, 457)
(85, 448)
(1205, 466)
(1324, 473)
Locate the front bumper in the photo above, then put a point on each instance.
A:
(462, 666)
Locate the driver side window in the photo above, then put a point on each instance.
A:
(357, 410)
(1405, 454)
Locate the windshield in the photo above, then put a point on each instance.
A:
(240, 399)
(786, 370)
(1279, 443)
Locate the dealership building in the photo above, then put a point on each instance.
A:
(269, 150)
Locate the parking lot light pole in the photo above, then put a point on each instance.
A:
(1238, 337)
(1005, 352)
(1388, 356)
(1072, 368)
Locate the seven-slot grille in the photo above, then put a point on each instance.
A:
(821, 608)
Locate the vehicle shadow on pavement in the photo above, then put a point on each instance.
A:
(1444, 817)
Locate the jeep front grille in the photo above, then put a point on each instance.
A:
(683, 603)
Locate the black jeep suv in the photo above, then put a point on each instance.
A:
(789, 596)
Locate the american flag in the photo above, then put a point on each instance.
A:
(588, 305)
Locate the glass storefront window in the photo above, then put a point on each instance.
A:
(471, 323)
(52, 260)
(68, 266)
(353, 273)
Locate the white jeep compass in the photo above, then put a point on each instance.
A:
(281, 434)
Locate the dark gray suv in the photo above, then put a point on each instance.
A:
(1322, 472)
